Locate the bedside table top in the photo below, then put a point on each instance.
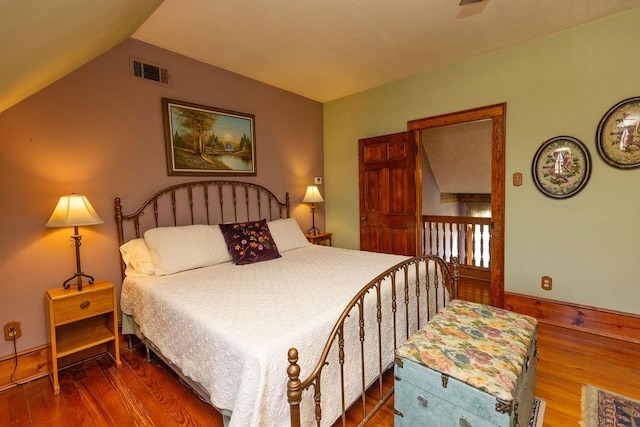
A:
(319, 235)
(60, 293)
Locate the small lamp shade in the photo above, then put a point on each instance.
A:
(74, 210)
(312, 195)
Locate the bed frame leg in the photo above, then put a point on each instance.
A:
(148, 353)
(294, 387)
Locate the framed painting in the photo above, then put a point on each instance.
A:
(203, 140)
(561, 167)
(618, 134)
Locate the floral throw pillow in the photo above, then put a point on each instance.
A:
(249, 242)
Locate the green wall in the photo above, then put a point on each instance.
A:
(557, 85)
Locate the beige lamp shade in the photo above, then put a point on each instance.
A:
(73, 210)
(312, 195)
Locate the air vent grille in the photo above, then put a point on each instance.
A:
(148, 71)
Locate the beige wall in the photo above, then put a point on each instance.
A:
(99, 132)
(557, 85)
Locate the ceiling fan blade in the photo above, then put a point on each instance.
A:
(466, 2)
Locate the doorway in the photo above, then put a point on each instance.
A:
(496, 115)
(391, 181)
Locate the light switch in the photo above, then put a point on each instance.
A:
(517, 179)
(317, 180)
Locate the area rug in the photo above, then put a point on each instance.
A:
(602, 408)
(537, 415)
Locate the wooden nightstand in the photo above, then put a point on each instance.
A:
(318, 238)
(82, 324)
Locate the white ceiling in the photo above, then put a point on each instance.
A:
(323, 50)
(326, 49)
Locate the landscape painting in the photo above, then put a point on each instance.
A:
(208, 141)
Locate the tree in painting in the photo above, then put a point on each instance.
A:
(197, 126)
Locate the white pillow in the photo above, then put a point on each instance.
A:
(287, 234)
(175, 249)
(137, 259)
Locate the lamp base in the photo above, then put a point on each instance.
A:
(79, 277)
(313, 230)
(79, 274)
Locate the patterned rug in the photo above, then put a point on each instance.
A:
(537, 415)
(601, 408)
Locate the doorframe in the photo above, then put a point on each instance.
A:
(497, 114)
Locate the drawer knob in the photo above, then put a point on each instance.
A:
(84, 305)
(422, 401)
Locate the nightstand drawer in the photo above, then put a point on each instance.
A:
(82, 306)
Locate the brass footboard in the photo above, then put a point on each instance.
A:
(407, 295)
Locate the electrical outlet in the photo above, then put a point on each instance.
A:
(546, 283)
(12, 331)
(317, 180)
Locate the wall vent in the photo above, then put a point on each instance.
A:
(148, 71)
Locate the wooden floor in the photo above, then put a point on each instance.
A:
(147, 394)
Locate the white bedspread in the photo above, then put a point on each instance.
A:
(229, 327)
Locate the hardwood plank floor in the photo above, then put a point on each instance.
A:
(95, 393)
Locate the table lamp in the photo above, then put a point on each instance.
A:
(74, 210)
(313, 196)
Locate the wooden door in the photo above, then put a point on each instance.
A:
(387, 179)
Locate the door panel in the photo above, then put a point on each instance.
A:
(388, 194)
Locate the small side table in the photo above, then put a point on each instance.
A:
(82, 320)
(318, 238)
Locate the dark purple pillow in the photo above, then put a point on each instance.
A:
(249, 242)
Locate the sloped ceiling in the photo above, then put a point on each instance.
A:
(322, 50)
(328, 49)
(42, 41)
(460, 156)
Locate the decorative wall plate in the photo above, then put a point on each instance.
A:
(618, 135)
(561, 167)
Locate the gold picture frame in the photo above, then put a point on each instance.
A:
(618, 134)
(203, 140)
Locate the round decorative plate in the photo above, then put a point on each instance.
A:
(561, 167)
(618, 135)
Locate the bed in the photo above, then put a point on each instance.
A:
(220, 283)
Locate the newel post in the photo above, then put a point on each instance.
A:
(294, 387)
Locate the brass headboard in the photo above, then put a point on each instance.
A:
(200, 202)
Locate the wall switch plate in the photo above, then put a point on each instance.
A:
(546, 283)
(517, 179)
(317, 180)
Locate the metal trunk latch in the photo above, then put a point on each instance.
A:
(445, 380)
(422, 401)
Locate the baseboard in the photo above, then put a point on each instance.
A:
(610, 323)
(32, 364)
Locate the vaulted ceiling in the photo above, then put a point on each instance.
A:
(322, 50)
